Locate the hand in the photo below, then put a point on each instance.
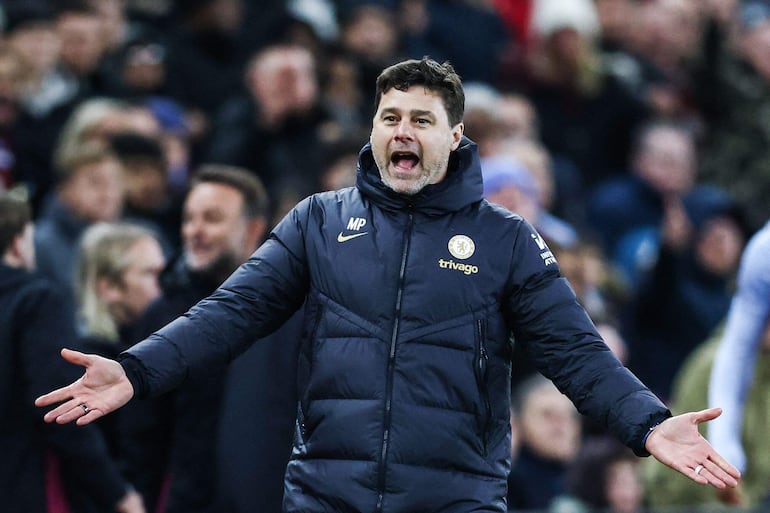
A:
(130, 503)
(102, 389)
(676, 442)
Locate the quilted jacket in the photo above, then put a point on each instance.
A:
(405, 361)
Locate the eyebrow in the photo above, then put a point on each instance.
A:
(413, 113)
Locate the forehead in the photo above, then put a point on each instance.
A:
(547, 398)
(144, 249)
(211, 195)
(415, 98)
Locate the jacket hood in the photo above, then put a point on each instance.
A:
(462, 185)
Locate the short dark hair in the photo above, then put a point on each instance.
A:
(255, 199)
(428, 73)
(15, 214)
(138, 150)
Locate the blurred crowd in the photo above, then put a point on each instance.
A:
(633, 134)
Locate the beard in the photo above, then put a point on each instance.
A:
(219, 269)
(430, 169)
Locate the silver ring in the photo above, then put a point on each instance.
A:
(85, 407)
(698, 470)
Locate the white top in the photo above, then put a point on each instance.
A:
(733, 368)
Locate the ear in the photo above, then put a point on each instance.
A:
(457, 135)
(255, 231)
(14, 252)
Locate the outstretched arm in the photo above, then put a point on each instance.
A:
(676, 442)
(102, 389)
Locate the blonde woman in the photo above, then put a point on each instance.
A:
(117, 277)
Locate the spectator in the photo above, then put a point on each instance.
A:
(605, 476)
(687, 292)
(370, 34)
(225, 217)
(48, 97)
(339, 168)
(735, 78)
(176, 140)
(650, 47)
(83, 47)
(36, 320)
(277, 130)
(97, 119)
(13, 76)
(117, 277)
(204, 56)
(458, 32)
(508, 183)
(30, 30)
(549, 438)
(586, 115)
(138, 69)
(90, 189)
(626, 212)
(149, 198)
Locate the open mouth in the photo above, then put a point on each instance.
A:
(404, 160)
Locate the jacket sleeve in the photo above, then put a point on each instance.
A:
(563, 343)
(253, 302)
(82, 452)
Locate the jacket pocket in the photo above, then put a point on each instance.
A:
(481, 364)
(313, 315)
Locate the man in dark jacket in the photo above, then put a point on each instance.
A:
(169, 439)
(35, 320)
(412, 283)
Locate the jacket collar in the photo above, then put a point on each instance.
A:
(11, 277)
(462, 185)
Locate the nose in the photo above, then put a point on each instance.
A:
(404, 130)
(191, 227)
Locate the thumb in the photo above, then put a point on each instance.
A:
(76, 357)
(707, 415)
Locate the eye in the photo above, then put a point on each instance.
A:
(423, 121)
(390, 119)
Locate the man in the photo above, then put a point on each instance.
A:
(413, 284)
(224, 220)
(89, 189)
(34, 320)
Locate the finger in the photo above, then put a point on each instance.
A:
(707, 415)
(89, 417)
(725, 466)
(61, 410)
(699, 474)
(719, 474)
(76, 357)
(706, 477)
(57, 396)
(74, 410)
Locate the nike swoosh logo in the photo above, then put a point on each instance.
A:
(345, 238)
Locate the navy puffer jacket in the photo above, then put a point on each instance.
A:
(404, 371)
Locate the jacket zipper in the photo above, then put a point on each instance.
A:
(482, 363)
(391, 366)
